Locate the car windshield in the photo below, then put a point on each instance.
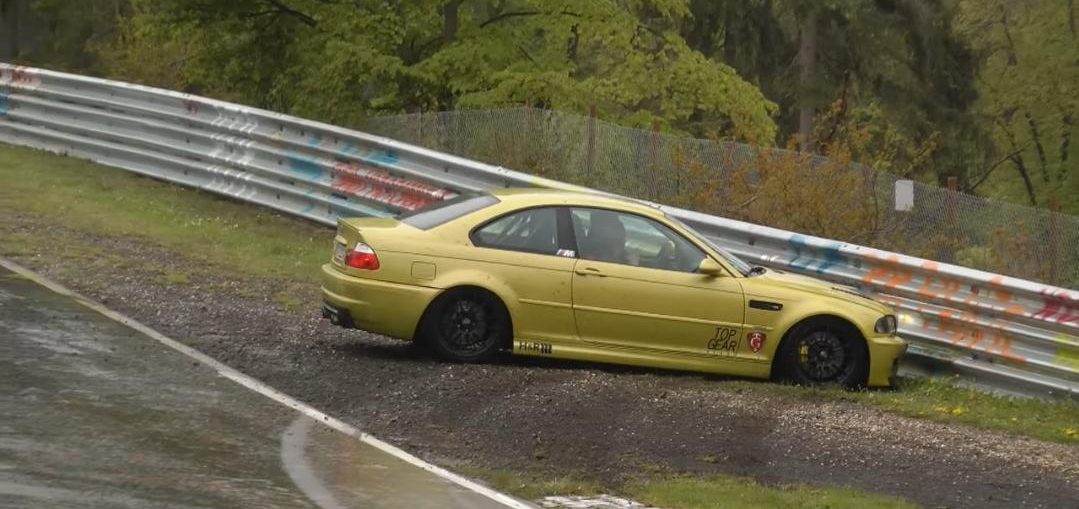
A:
(741, 266)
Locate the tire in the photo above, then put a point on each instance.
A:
(823, 352)
(467, 326)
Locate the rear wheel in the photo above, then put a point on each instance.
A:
(467, 326)
(824, 352)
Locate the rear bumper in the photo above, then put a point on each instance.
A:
(390, 309)
(337, 316)
(884, 356)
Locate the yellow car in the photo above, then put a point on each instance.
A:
(590, 277)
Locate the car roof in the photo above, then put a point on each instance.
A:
(542, 196)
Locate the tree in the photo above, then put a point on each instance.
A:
(342, 60)
(1029, 96)
(896, 65)
(56, 33)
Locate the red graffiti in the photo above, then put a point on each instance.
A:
(352, 186)
(191, 106)
(1059, 307)
(21, 77)
(383, 178)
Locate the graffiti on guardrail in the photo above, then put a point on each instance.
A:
(1059, 307)
(804, 257)
(19, 77)
(379, 185)
(191, 107)
(1067, 356)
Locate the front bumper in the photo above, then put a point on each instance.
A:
(884, 356)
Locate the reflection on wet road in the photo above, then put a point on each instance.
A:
(93, 414)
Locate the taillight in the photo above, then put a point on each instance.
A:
(362, 257)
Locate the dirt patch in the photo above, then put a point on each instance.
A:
(606, 423)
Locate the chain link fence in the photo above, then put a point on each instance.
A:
(789, 190)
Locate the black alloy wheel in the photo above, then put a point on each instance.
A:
(468, 326)
(823, 353)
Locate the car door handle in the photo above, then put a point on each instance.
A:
(590, 271)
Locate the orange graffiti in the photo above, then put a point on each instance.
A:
(891, 277)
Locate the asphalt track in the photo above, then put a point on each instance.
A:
(96, 414)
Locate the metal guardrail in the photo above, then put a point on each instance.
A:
(1020, 333)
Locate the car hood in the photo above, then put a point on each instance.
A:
(773, 279)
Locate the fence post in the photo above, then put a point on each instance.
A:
(952, 219)
(590, 143)
(1054, 240)
(419, 128)
(653, 149)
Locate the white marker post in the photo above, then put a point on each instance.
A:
(904, 195)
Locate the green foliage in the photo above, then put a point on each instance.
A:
(344, 61)
(896, 66)
(1029, 87)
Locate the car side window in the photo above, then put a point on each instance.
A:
(618, 237)
(532, 230)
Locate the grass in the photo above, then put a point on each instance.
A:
(105, 201)
(693, 492)
(290, 300)
(943, 400)
(715, 492)
(176, 277)
(251, 242)
(531, 487)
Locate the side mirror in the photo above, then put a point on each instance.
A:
(710, 267)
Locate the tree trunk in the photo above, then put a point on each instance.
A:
(1021, 167)
(1065, 144)
(449, 20)
(449, 34)
(807, 63)
(1036, 137)
(10, 12)
(1071, 17)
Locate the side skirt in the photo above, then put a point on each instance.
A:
(637, 357)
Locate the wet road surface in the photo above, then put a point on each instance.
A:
(95, 415)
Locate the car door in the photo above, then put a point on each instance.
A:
(525, 251)
(635, 285)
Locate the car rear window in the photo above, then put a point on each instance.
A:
(446, 211)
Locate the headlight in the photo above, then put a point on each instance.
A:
(886, 325)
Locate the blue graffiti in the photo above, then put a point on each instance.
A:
(303, 165)
(350, 148)
(383, 157)
(3, 102)
(798, 243)
(832, 257)
(804, 259)
(314, 139)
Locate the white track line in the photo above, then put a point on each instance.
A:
(268, 391)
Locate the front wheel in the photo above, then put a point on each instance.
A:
(467, 326)
(823, 353)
